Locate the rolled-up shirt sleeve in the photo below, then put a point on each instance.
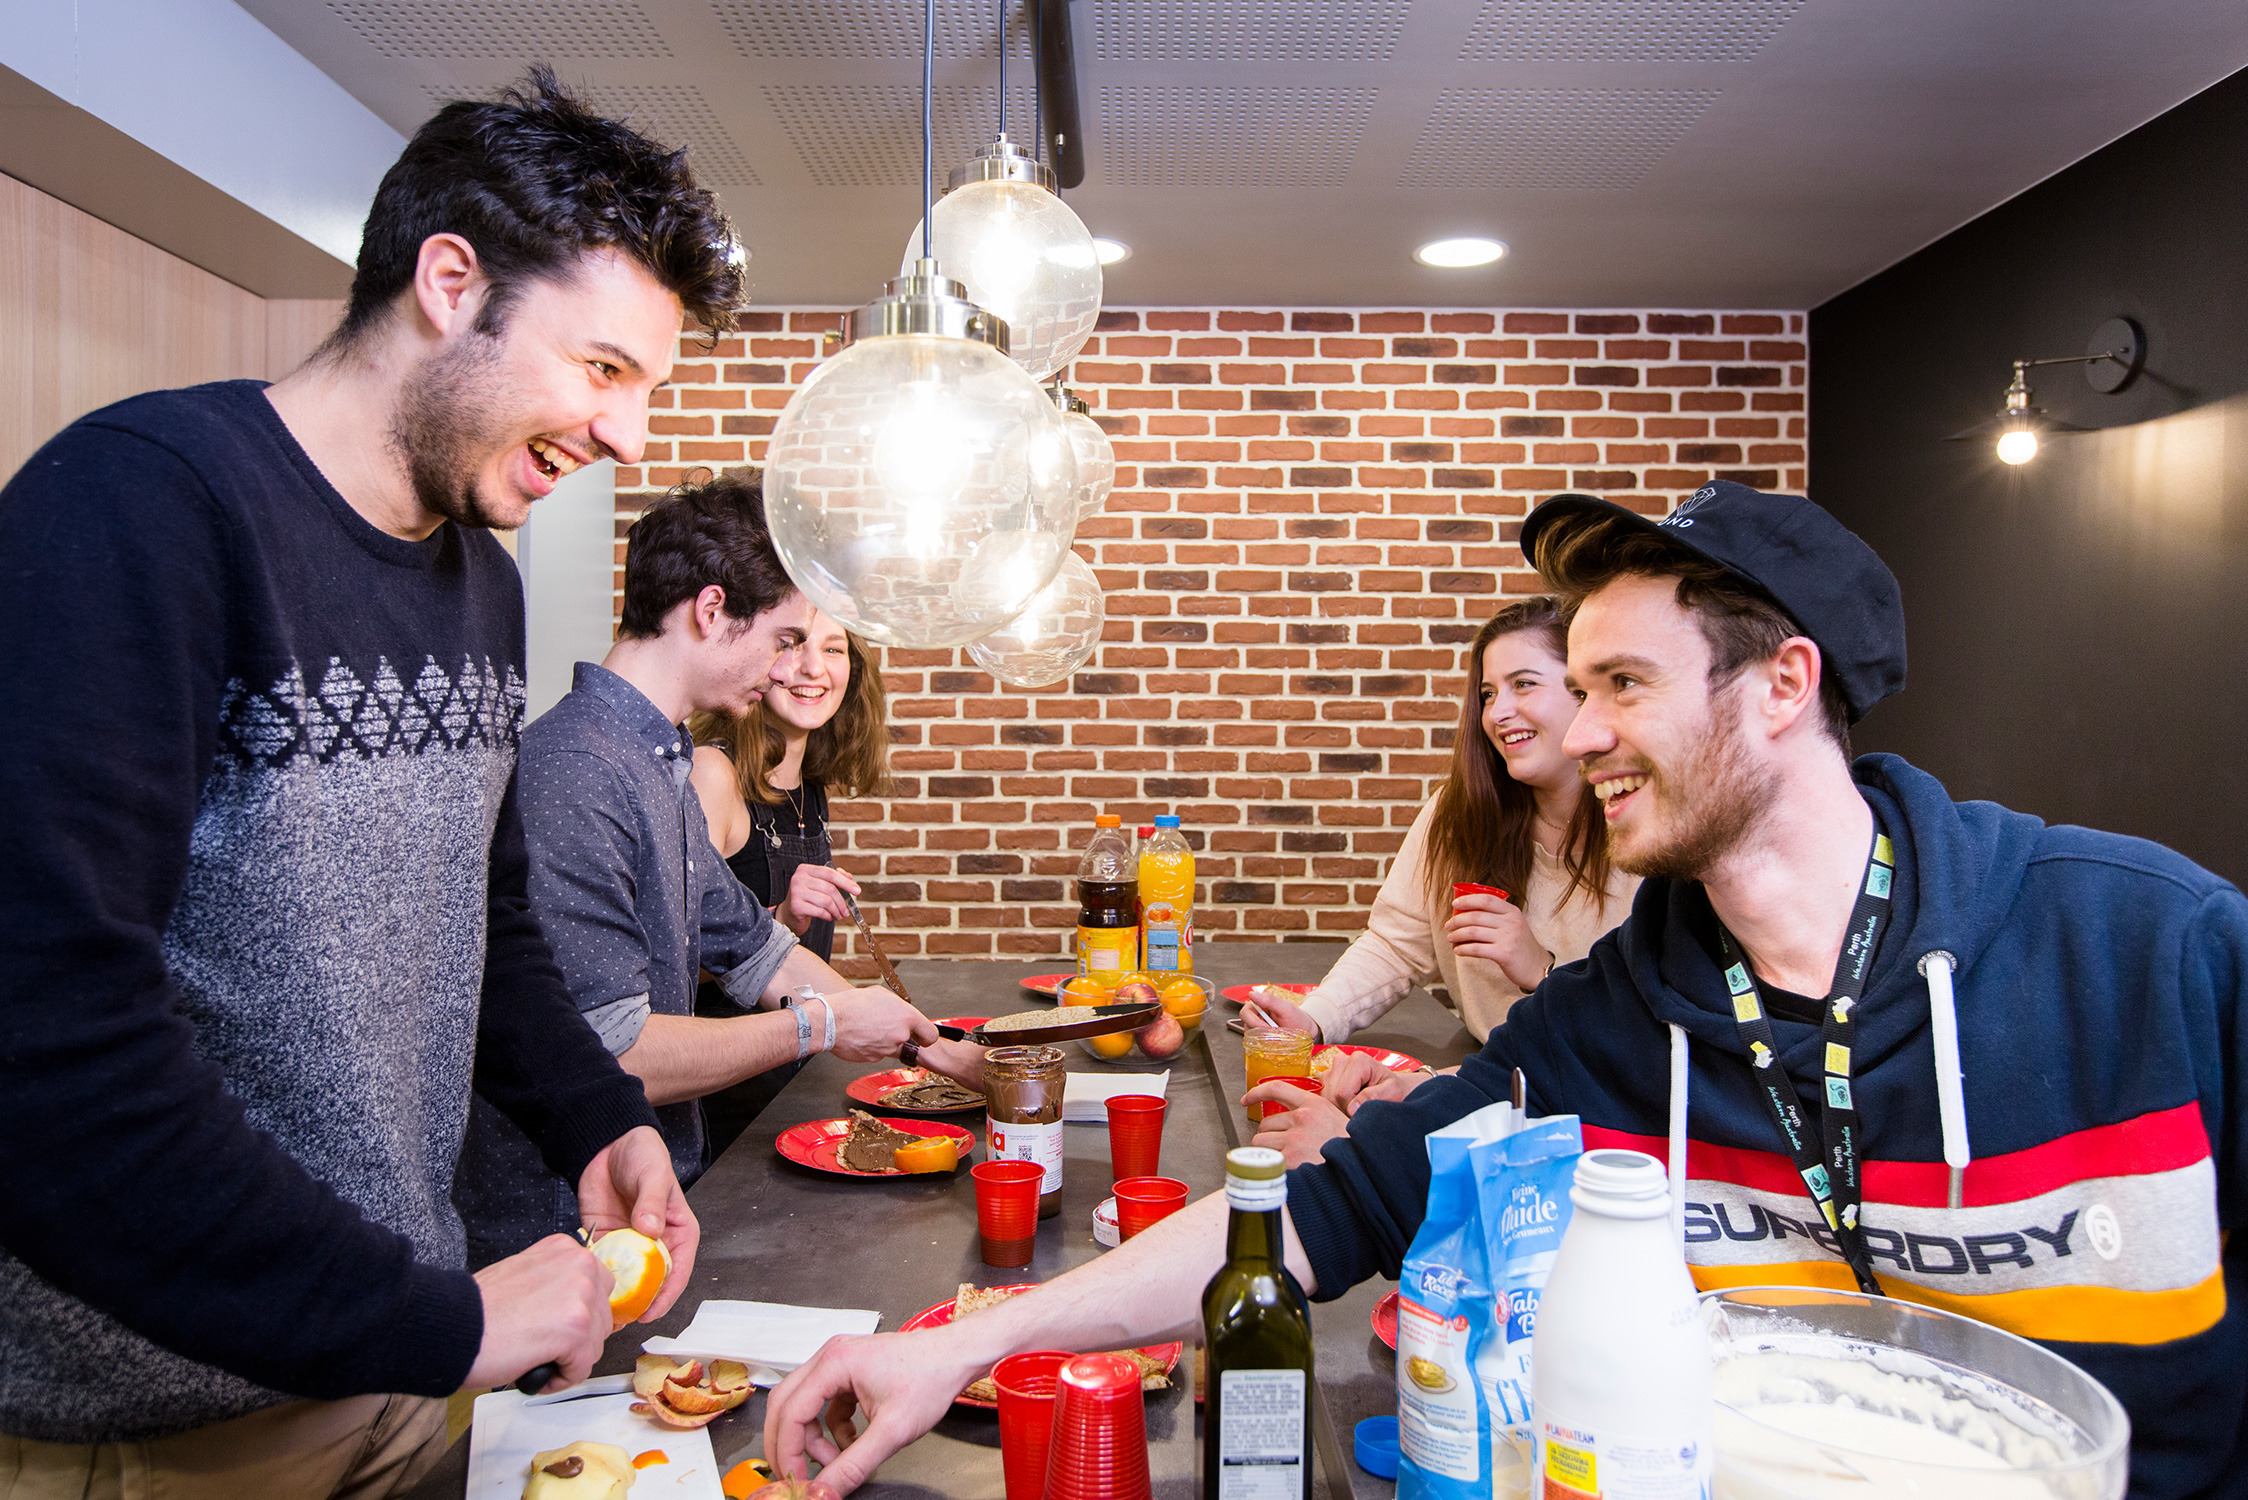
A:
(741, 943)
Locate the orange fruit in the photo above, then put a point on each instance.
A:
(1182, 997)
(1083, 990)
(639, 1265)
(931, 1153)
(1137, 976)
(1115, 1045)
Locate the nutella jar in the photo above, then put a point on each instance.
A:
(1023, 1092)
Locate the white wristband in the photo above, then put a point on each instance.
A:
(828, 1006)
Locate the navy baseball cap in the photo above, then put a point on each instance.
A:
(1832, 585)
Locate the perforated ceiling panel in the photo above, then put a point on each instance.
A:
(1247, 30)
(1624, 30)
(867, 28)
(1581, 140)
(1212, 137)
(678, 115)
(869, 135)
(512, 30)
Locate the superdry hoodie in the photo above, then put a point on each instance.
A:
(2098, 985)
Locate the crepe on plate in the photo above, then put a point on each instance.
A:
(968, 1299)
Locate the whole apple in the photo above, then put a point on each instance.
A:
(1135, 992)
(1162, 1037)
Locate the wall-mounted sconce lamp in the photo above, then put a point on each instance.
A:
(2118, 351)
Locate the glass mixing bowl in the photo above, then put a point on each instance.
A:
(1825, 1395)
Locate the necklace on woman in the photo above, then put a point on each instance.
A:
(797, 808)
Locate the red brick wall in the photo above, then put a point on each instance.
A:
(1314, 511)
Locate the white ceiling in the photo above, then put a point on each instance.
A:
(1684, 153)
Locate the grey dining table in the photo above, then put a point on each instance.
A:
(773, 1231)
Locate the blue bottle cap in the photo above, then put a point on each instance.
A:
(1374, 1445)
(1167, 820)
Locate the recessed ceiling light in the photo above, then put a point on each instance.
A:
(1112, 251)
(1455, 253)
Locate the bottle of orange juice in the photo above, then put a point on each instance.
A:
(1167, 900)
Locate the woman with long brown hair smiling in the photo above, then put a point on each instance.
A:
(764, 778)
(1512, 814)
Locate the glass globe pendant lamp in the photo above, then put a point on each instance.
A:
(1021, 252)
(1096, 459)
(1053, 637)
(920, 487)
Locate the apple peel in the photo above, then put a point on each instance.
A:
(687, 1393)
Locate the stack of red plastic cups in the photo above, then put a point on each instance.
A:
(1099, 1449)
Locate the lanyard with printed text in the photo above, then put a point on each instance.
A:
(1829, 1163)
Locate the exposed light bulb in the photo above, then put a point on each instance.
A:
(920, 489)
(1054, 636)
(1026, 257)
(1112, 251)
(1459, 253)
(2018, 446)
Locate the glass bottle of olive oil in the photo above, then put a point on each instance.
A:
(1256, 1328)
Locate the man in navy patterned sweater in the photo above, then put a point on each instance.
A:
(263, 924)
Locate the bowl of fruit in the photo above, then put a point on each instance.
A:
(1184, 998)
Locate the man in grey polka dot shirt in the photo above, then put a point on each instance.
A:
(624, 879)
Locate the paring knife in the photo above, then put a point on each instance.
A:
(599, 1385)
(881, 959)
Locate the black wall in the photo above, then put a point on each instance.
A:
(2078, 626)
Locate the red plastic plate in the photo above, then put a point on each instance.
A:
(965, 1023)
(1396, 1062)
(818, 1144)
(1385, 1320)
(1048, 984)
(870, 1089)
(1242, 992)
(941, 1314)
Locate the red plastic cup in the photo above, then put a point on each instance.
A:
(1308, 1085)
(1007, 1209)
(1027, 1385)
(1470, 888)
(1141, 1201)
(1135, 1135)
(1099, 1449)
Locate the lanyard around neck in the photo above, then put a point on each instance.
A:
(1828, 1165)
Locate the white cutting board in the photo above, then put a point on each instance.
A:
(506, 1433)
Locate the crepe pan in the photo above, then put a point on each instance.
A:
(1107, 1020)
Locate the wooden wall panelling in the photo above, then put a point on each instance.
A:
(90, 315)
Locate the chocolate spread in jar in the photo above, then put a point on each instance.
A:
(1023, 1096)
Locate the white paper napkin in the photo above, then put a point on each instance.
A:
(1085, 1097)
(772, 1338)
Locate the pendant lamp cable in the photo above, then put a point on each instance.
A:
(1002, 5)
(1037, 80)
(928, 133)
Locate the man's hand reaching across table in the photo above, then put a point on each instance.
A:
(1145, 1291)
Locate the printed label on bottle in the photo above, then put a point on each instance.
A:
(1039, 1143)
(1107, 950)
(1263, 1445)
(1168, 946)
(1580, 1463)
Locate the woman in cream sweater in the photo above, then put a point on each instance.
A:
(1513, 814)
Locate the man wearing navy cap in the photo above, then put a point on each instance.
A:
(1930, 1049)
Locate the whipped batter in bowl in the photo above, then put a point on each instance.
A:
(1839, 1396)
